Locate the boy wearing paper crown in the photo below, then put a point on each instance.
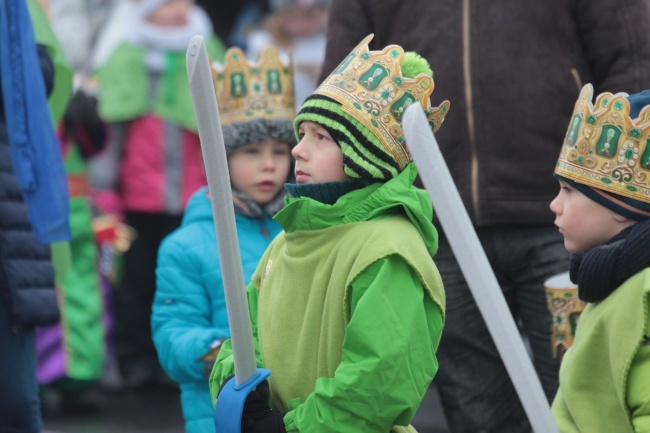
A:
(189, 319)
(347, 305)
(603, 211)
(152, 161)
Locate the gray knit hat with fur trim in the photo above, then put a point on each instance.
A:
(238, 134)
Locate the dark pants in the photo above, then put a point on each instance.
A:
(20, 409)
(475, 389)
(136, 355)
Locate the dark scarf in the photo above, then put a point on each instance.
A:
(600, 271)
(326, 192)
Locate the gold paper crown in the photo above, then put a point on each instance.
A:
(370, 87)
(604, 148)
(247, 91)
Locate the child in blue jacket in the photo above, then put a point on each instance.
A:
(189, 319)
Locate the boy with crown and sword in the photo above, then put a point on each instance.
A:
(346, 306)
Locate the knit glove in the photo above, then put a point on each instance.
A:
(257, 416)
(82, 124)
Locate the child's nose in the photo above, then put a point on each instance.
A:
(555, 206)
(297, 151)
(268, 161)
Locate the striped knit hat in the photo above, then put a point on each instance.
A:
(367, 125)
(363, 154)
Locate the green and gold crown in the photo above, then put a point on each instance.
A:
(371, 88)
(248, 91)
(606, 149)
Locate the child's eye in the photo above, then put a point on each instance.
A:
(282, 151)
(251, 150)
(322, 137)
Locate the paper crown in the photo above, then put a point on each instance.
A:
(604, 148)
(370, 87)
(248, 91)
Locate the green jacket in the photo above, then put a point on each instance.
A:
(605, 375)
(347, 309)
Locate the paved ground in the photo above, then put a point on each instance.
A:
(158, 411)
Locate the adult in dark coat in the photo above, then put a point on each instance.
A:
(27, 295)
(512, 71)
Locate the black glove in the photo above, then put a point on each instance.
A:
(82, 123)
(257, 416)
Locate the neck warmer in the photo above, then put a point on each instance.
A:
(326, 192)
(244, 205)
(35, 153)
(600, 271)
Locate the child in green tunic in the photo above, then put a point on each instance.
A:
(347, 305)
(603, 211)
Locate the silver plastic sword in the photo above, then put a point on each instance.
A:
(475, 267)
(216, 168)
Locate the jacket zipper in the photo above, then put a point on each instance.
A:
(576, 77)
(467, 75)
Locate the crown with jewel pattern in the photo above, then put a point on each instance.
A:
(248, 91)
(606, 149)
(370, 87)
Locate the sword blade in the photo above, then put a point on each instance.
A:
(216, 168)
(474, 264)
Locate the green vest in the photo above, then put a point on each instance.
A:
(342, 253)
(594, 372)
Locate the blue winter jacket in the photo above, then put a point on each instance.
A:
(189, 309)
(27, 292)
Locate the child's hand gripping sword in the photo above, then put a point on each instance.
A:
(233, 395)
(477, 271)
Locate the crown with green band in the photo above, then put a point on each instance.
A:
(606, 149)
(371, 89)
(247, 91)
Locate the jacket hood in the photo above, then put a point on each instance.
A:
(199, 207)
(375, 201)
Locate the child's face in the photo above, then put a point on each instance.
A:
(260, 170)
(172, 13)
(318, 158)
(584, 223)
(302, 21)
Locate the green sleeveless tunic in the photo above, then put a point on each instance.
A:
(348, 308)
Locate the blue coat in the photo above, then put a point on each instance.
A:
(27, 292)
(189, 309)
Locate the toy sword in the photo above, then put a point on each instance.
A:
(475, 267)
(247, 375)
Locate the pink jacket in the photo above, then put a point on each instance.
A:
(149, 165)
